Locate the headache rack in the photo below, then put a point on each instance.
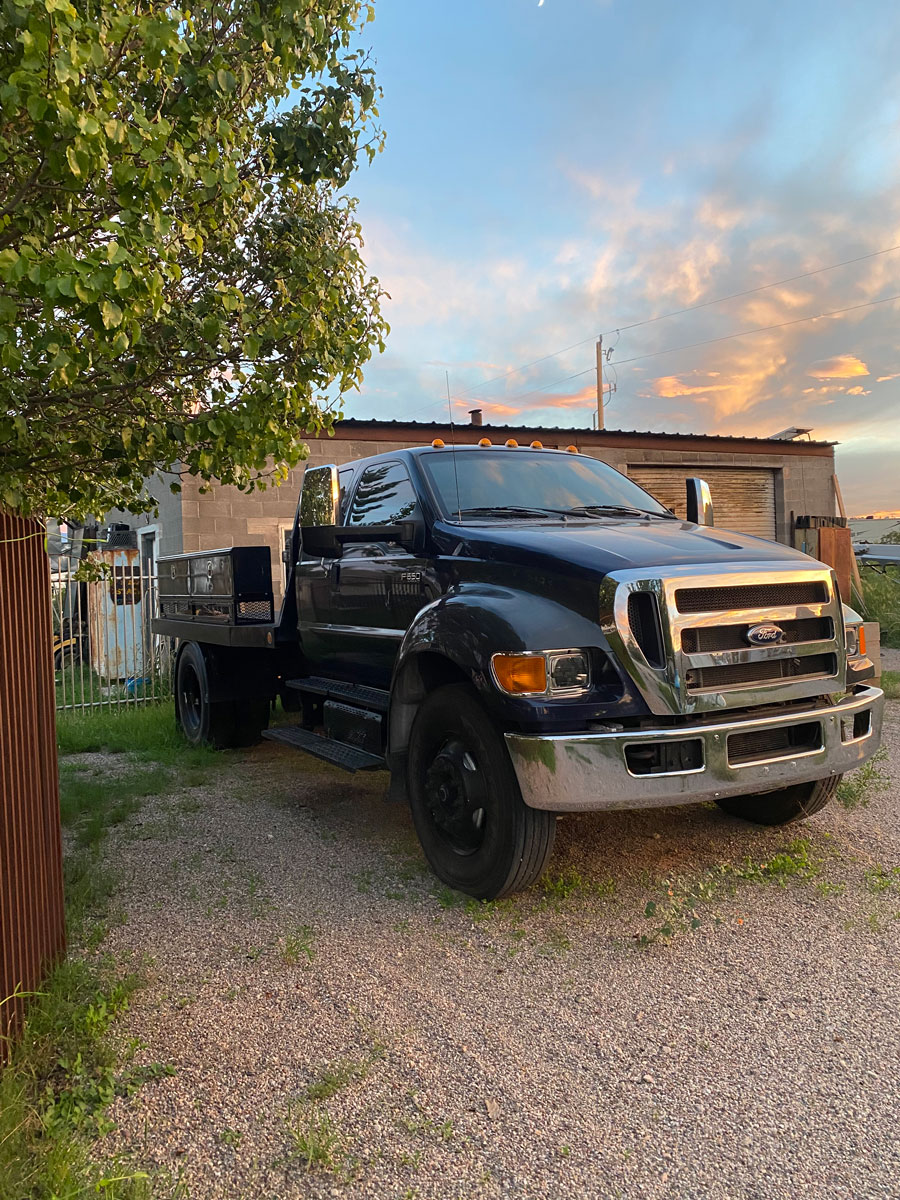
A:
(687, 639)
(220, 596)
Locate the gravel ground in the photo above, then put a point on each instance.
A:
(319, 995)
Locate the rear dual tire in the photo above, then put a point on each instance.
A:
(478, 834)
(221, 724)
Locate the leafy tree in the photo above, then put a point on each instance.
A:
(180, 272)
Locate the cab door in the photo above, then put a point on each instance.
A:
(378, 587)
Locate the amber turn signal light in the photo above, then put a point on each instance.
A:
(861, 635)
(519, 674)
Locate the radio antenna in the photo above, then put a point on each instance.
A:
(453, 446)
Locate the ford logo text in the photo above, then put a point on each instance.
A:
(766, 634)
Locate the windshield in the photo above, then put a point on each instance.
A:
(531, 479)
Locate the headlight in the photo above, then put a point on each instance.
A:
(854, 634)
(544, 673)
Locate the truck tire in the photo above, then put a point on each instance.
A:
(477, 833)
(781, 807)
(202, 721)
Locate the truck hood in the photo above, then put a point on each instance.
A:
(598, 547)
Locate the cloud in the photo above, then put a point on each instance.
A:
(670, 386)
(841, 366)
(885, 378)
(858, 391)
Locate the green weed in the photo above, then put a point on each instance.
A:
(881, 589)
(315, 1141)
(560, 885)
(297, 944)
(857, 788)
(340, 1075)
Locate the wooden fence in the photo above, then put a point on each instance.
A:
(32, 926)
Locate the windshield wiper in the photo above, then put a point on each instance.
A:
(510, 510)
(617, 510)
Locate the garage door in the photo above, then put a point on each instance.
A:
(743, 498)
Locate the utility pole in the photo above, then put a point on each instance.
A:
(600, 424)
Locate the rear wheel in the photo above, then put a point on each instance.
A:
(202, 721)
(780, 808)
(477, 833)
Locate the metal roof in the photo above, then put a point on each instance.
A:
(574, 431)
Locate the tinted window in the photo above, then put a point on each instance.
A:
(493, 478)
(384, 495)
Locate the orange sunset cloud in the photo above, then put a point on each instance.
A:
(841, 366)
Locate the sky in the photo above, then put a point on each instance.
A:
(561, 169)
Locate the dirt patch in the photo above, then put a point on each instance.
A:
(340, 1024)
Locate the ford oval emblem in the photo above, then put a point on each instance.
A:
(765, 634)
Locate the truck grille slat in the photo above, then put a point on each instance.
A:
(706, 639)
(754, 595)
(783, 740)
(741, 674)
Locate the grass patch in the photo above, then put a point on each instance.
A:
(857, 787)
(63, 1069)
(882, 601)
(688, 903)
(890, 683)
(560, 885)
(146, 731)
(61, 1075)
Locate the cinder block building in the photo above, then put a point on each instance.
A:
(759, 485)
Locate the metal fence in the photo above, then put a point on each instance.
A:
(104, 651)
(32, 928)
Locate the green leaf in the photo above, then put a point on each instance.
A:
(111, 314)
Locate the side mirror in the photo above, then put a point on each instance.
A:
(699, 501)
(320, 497)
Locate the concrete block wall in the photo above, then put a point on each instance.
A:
(227, 517)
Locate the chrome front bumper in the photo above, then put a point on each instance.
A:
(581, 772)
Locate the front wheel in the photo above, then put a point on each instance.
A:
(477, 833)
(780, 808)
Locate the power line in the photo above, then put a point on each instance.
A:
(711, 341)
(677, 312)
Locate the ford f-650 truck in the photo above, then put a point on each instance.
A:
(515, 632)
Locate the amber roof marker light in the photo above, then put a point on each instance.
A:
(512, 442)
(437, 444)
(484, 441)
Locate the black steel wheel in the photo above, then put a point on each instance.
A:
(477, 833)
(784, 806)
(203, 721)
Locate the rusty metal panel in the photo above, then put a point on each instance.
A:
(32, 924)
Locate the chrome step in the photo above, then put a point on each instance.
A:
(338, 753)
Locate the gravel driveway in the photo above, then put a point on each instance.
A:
(340, 1025)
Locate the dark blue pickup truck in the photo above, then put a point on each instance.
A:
(515, 632)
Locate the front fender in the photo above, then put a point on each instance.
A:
(471, 623)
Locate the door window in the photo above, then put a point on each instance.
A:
(384, 495)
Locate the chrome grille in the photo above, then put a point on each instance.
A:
(757, 595)
(704, 614)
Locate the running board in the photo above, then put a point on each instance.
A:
(339, 753)
(373, 699)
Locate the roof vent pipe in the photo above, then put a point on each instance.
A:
(475, 416)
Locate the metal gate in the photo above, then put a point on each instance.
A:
(32, 928)
(104, 651)
(743, 498)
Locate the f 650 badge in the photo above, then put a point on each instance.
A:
(766, 634)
